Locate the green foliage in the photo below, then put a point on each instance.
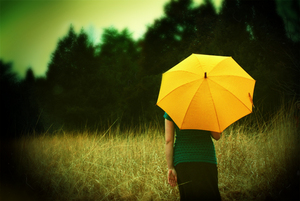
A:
(118, 62)
(68, 80)
(86, 87)
(19, 112)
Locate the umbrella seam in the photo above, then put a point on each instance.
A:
(230, 76)
(183, 71)
(213, 105)
(215, 108)
(231, 94)
(229, 57)
(176, 89)
(198, 61)
(220, 62)
(225, 57)
(191, 103)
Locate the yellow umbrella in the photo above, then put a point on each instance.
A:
(206, 92)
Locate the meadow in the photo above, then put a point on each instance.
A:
(257, 160)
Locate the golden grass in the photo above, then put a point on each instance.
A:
(253, 162)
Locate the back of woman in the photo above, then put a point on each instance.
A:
(193, 164)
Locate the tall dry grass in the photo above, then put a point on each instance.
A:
(258, 160)
(254, 161)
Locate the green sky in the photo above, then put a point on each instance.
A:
(30, 29)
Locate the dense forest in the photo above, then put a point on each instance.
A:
(90, 86)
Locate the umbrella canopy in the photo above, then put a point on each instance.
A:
(206, 92)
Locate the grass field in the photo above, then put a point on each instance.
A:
(256, 161)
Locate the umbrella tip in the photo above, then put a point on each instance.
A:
(205, 75)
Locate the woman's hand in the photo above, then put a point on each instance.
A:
(216, 135)
(172, 177)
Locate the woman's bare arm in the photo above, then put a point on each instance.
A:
(169, 137)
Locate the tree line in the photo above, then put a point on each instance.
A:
(91, 86)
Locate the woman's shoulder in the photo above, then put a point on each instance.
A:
(166, 116)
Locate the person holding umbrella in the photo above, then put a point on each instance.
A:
(194, 166)
(201, 97)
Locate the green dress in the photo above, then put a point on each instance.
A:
(193, 146)
(195, 162)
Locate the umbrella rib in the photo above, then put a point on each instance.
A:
(215, 109)
(213, 104)
(231, 93)
(230, 76)
(184, 71)
(191, 103)
(177, 88)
